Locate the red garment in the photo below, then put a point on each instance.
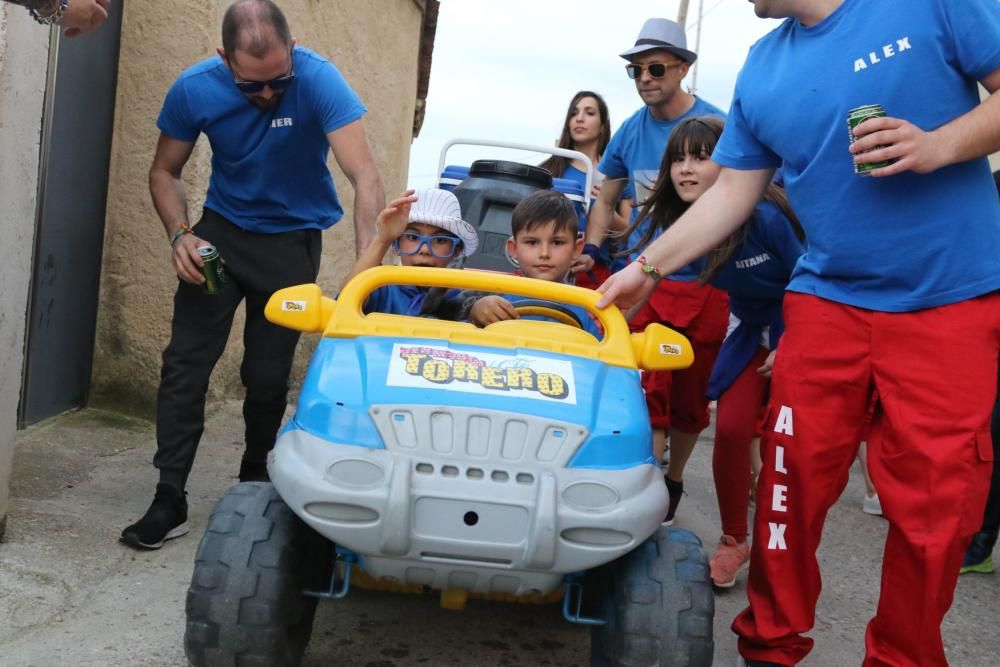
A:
(595, 277)
(737, 422)
(676, 399)
(929, 454)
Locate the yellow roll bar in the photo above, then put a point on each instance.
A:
(303, 308)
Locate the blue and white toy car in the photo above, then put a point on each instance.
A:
(513, 460)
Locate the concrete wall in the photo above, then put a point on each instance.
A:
(24, 48)
(374, 44)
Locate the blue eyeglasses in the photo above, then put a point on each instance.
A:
(410, 243)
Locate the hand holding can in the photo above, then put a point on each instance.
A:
(854, 118)
(212, 269)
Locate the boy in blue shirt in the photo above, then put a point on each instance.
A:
(424, 228)
(544, 243)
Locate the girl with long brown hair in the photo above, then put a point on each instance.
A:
(753, 266)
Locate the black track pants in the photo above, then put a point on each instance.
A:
(257, 265)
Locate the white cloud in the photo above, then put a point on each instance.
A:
(507, 70)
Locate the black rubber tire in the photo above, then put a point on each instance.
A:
(658, 604)
(245, 606)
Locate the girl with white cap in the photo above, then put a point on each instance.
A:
(424, 228)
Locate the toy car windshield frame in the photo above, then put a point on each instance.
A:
(303, 308)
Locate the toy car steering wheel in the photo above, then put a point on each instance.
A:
(548, 310)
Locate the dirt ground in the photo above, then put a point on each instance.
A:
(71, 594)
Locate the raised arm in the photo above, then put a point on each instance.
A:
(170, 200)
(350, 149)
(717, 213)
(391, 224)
(972, 135)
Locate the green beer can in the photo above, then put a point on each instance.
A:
(212, 269)
(854, 118)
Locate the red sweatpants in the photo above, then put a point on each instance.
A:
(676, 399)
(737, 422)
(934, 374)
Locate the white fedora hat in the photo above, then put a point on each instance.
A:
(665, 35)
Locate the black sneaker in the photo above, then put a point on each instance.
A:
(979, 555)
(251, 471)
(165, 519)
(675, 490)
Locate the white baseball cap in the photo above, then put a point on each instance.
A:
(441, 209)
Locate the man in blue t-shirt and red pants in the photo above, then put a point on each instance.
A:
(895, 299)
(271, 111)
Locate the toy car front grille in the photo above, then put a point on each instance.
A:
(472, 434)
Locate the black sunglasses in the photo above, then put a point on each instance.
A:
(277, 85)
(656, 70)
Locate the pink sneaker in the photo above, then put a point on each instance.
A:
(729, 559)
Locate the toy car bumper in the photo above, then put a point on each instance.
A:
(487, 526)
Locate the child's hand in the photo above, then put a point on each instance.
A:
(392, 221)
(491, 309)
(765, 370)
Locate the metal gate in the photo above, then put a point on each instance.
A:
(69, 235)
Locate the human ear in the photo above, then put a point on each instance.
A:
(512, 247)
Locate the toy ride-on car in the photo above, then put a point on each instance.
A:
(429, 455)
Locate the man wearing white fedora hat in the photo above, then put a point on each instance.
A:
(658, 62)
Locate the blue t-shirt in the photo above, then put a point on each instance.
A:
(635, 152)
(758, 271)
(269, 171)
(402, 300)
(755, 277)
(893, 244)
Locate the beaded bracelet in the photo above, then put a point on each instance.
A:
(52, 18)
(182, 230)
(648, 268)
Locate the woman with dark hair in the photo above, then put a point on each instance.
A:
(753, 266)
(587, 129)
